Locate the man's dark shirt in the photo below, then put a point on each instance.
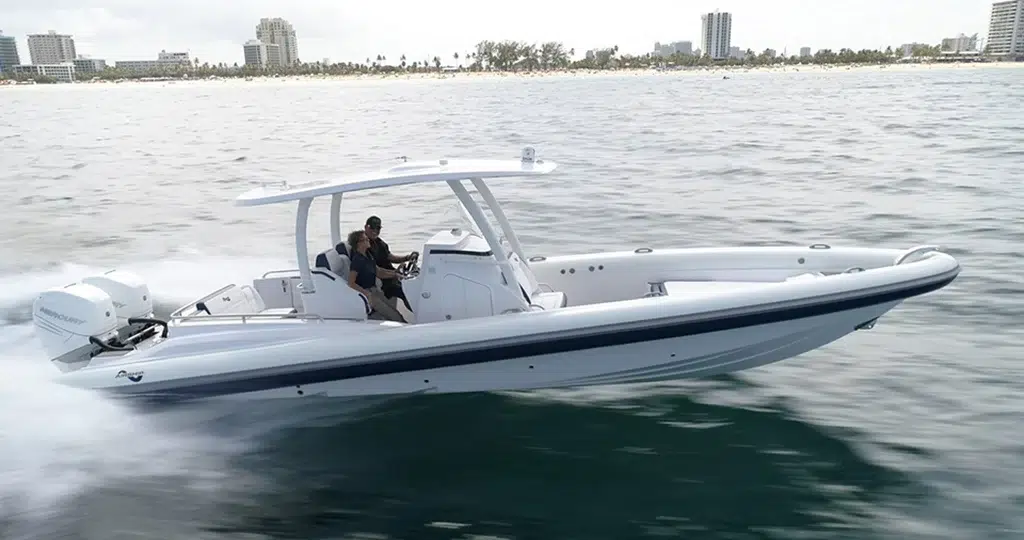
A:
(381, 253)
(365, 269)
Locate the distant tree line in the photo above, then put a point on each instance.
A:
(38, 79)
(509, 56)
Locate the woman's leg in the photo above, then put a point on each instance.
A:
(381, 305)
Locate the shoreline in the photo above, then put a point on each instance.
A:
(724, 70)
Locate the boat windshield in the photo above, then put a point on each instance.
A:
(458, 216)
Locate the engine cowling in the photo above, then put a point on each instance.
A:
(66, 318)
(128, 292)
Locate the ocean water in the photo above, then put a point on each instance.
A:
(909, 431)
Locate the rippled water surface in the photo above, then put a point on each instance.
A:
(911, 430)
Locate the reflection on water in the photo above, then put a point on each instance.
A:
(511, 467)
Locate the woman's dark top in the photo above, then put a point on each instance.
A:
(365, 269)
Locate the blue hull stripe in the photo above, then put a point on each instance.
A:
(198, 388)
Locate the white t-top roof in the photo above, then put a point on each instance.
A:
(441, 170)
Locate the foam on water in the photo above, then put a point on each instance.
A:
(59, 443)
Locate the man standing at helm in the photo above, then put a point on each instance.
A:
(391, 287)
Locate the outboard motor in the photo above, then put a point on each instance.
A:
(68, 319)
(131, 299)
(105, 312)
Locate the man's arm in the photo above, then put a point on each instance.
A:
(385, 273)
(391, 257)
(396, 259)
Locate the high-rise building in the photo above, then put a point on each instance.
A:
(8, 53)
(716, 34)
(51, 48)
(961, 43)
(1006, 29)
(261, 55)
(279, 32)
(676, 47)
(805, 52)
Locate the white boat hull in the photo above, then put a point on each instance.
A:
(695, 330)
(666, 359)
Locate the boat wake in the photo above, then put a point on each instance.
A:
(69, 455)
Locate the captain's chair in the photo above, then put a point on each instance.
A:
(332, 297)
(336, 260)
(342, 249)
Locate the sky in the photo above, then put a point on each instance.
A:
(352, 30)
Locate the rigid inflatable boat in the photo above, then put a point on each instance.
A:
(485, 316)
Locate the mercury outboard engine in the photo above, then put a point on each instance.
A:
(110, 312)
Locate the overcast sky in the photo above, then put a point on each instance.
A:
(351, 30)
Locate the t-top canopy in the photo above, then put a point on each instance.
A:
(442, 170)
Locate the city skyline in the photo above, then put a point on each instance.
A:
(119, 29)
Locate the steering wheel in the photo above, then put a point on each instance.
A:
(410, 268)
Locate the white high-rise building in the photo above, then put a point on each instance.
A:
(279, 32)
(1006, 29)
(805, 52)
(960, 43)
(261, 55)
(51, 48)
(716, 34)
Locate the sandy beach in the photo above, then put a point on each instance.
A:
(643, 72)
(723, 71)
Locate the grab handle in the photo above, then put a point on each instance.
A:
(902, 258)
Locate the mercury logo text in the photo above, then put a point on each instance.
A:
(61, 316)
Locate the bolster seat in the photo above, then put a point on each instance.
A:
(335, 260)
(334, 296)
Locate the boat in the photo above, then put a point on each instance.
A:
(486, 316)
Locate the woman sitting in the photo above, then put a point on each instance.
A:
(363, 276)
